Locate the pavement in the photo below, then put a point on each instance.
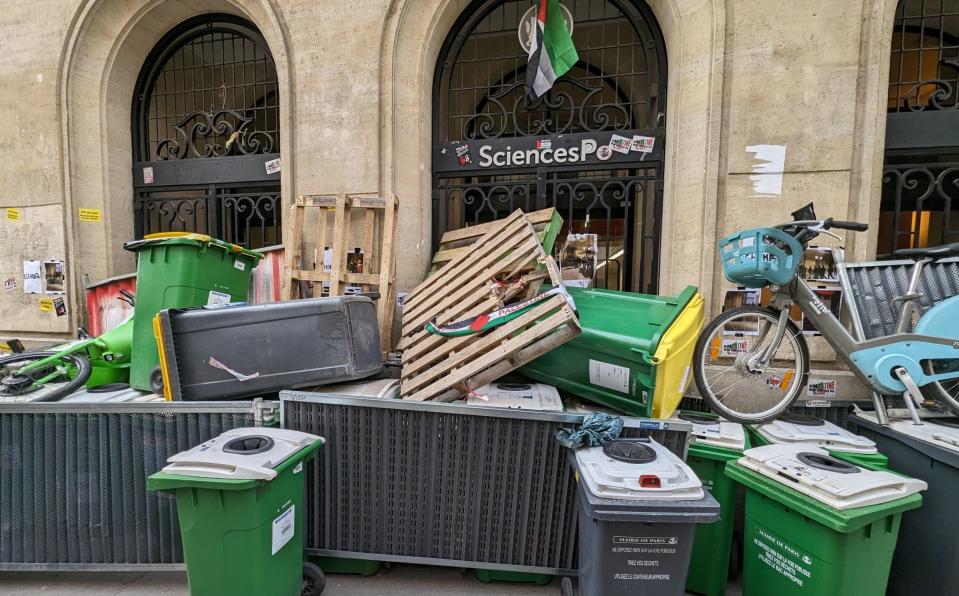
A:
(394, 581)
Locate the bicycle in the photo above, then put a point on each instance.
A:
(752, 362)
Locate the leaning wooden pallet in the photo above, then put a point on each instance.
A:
(371, 266)
(446, 368)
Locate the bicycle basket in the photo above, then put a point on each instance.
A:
(758, 257)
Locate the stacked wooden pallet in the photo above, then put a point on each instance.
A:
(446, 368)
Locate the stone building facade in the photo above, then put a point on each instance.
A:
(754, 108)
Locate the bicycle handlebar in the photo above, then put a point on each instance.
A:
(852, 226)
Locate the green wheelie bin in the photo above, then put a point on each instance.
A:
(239, 499)
(714, 442)
(177, 270)
(817, 525)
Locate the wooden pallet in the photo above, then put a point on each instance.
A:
(445, 368)
(453, 244)
(340, 219)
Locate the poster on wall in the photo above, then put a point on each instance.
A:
(32, 277)
(53, 277)
(578, 260)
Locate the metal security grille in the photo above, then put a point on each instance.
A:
(206, 129)
(920, 189)
(73, 481)
(442, 484)
(618, 86)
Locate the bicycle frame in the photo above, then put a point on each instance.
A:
(875, 361)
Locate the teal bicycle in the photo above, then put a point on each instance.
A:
(751, 363)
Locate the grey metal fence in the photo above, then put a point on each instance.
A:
(877, 286)
(444, 484)
(73, 481)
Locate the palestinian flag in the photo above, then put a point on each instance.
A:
(551, 49)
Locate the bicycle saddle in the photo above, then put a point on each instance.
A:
(935, 252)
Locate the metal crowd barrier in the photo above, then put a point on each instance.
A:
(444, 484)
(73, 481)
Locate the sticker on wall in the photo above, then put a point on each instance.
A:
(32, 277)
(46, 304)
(13, 214)
(768, 164)
(148, 175)
(463, 156)
(620, 144)
(53, 277)
(59, 306)
(825, 388)
(643, 144)
(91, 215)
(10, 284)
(604, 153)
(273, 166)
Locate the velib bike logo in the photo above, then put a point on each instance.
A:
(818, 306)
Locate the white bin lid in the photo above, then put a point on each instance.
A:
(637, 469)
(240, 454)
(517, 396)
(836, 483)
(808, 430)
(714, 431)
(939, 430)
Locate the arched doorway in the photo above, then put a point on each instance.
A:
(920, 186)
(494, 152)
(206, 134)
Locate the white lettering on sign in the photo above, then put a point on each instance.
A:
(611, 376)
(284, 527)
(783, 558)
(534, 157)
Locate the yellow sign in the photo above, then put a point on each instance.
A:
(13, 214)
(46, 305)
(90, 215)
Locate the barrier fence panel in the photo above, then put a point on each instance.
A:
(444, 484)
(73, 481)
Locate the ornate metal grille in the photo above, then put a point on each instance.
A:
(206, 125)
(618, 86)
(921, 174)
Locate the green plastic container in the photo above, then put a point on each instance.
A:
(866, 460)
(242, 536)
(364, 567)
(709, 565)
(797, 546)
(176, 271)
(612, 362)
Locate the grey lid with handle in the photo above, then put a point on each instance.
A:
(240, 454)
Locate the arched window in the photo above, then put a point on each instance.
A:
(617, 90)
(920, 192)
(206, 134)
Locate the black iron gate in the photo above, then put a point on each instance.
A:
(920, 192)
(591, 147)
(206, 135)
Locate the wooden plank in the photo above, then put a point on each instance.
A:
(387, 274)
(422, 340)
(341, 229)
(294, 259)
(546, 222)
(476, 231)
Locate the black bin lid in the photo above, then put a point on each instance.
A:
(630, 452)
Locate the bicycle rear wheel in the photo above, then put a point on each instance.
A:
(737, 390)
(50, 382)
(946, 391)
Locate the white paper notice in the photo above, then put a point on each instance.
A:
(769, 162)
(273, 166)
(32, 277)
(283, 529)
(611, 376)
(217, 299)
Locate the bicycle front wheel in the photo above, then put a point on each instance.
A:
(49, 382)
(740, 374)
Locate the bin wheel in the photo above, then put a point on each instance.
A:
(314, 580)
(566, 587)
(156, 381)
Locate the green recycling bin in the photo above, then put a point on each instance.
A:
(714, 442)
(239, 498)
(817, 525)
(177, 270)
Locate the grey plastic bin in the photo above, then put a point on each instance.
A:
(631, 547)
(926, 560)
(238, 351)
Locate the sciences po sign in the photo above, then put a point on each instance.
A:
(556, 150)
